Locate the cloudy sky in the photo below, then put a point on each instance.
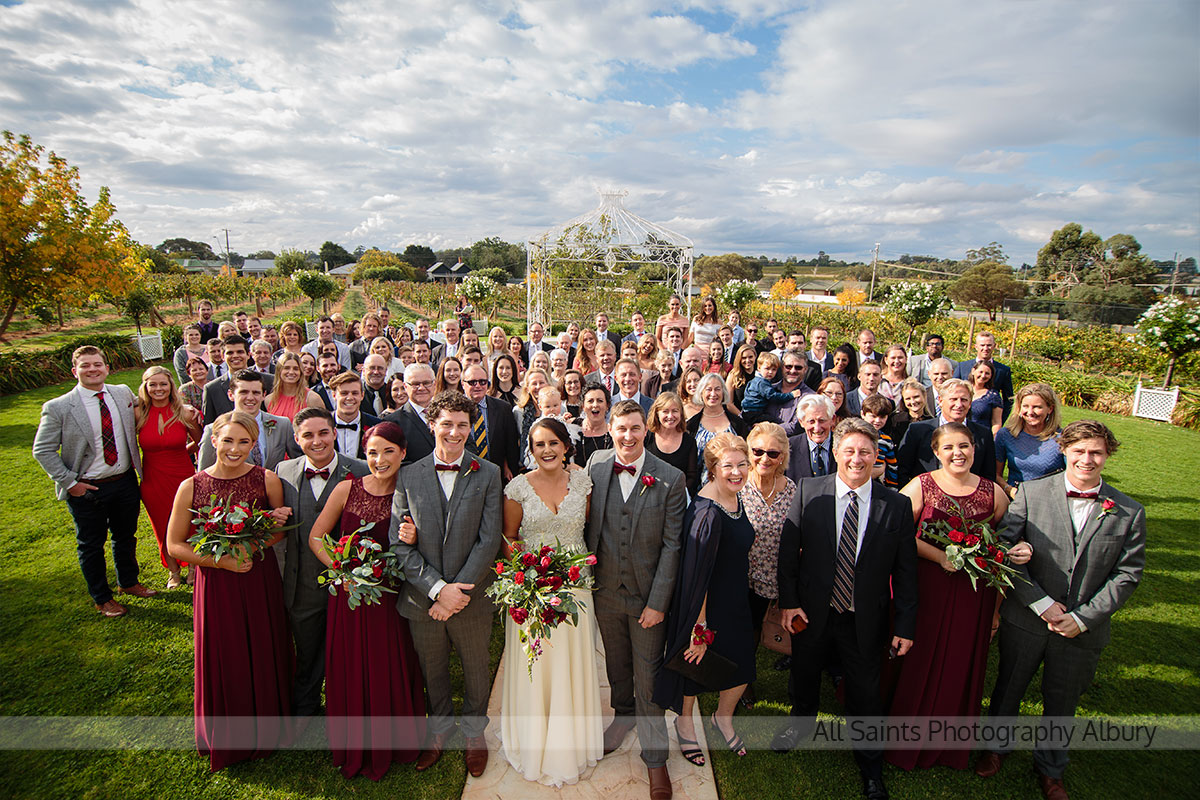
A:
(757, 126)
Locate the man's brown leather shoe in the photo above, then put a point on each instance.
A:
(616, 732)
(476, 755)
(112, 609)
(137, 590)
(989, 763)
(660, 783)
(1052, 788)
(432, 752)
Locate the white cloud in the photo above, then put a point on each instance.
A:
(992, 161)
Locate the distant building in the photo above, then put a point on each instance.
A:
(257, 266)
(209, 267)
(344, 269)
(447, 274)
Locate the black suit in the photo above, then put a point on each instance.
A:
(503, 442)
(216, 396)
(420, 438)
(369, 396)
(800, 458)
(814, 373)
(915, 453)
(439, 354)
(365, 422)
(323, 393)
(886, 566)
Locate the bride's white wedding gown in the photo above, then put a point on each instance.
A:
(551, 726)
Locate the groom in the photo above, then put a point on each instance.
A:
(634, 529)
(453, 499)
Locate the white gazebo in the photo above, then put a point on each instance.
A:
(599, 246)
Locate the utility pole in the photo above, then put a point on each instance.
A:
(1174, 274)
(874, 263)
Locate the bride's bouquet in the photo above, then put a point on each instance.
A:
(535, 588)
(974, 547)
(228, 529)
(362, 568)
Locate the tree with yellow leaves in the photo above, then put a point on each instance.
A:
(851, 296)
(784, 289)
(54, 247)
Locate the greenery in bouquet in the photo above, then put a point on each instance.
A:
(362, 568)
(973, 547)
(535, 589)
(226, 529)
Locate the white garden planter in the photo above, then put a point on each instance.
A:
(1154, 403)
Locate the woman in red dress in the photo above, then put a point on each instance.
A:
(374, 692)
(943, 676)
(167, 430)
(244, 657)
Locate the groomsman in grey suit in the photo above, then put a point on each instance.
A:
(634, 528)
(1089, 547)
(275, 439)
(453, 499)
(87, 443)
(307, 484)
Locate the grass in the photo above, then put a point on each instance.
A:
(58, 657)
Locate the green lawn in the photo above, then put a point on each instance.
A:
(58, 657)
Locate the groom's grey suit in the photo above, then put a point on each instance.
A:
(457, 542)
(636, 542)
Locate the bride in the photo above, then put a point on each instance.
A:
(551, 723)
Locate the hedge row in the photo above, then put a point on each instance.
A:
(22, 371)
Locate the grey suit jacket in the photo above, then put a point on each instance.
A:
(658, 511)
(216, 396)
(918, 367)
(300, 566)
(63, 442)
(457, 547)
(281, 443)
(1092, 574)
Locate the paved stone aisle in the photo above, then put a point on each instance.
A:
(618, 776)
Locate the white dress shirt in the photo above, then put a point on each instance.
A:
(1080, 510)
(626, 481)
(864, 509)
(348, 438)
(445, 479)
(316, 482)
(98, 468)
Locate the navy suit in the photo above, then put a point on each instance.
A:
(914, 455)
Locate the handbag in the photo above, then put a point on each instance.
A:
(774, 637)
(713, 672)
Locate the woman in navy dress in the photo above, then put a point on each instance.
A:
(243, 649)
(712, 590)
(374, 695)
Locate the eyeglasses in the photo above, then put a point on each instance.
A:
(759, 453)
(477, 382)
(793, 367)
(419, 384)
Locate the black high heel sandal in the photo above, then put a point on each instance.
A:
(735, 745)
(693, 754)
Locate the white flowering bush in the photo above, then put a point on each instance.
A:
(478, 289)
(1171, 325)
(915, 304)
(737, 294)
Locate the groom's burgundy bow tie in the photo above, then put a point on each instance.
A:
(1082, 495)
(619, 468)
(446, 467)
(313, 473)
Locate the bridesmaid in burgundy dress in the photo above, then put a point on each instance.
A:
(943, 675)
(166, 428)
(374, 693)
(244, 657)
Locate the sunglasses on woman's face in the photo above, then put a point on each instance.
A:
(771, 454)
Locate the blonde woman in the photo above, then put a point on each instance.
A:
(526, 411)
(167, 431)
(913, 407)
(496, 340)
(382, 346)
(647, 352)
(290, 392)
(585, 358)
(660, 376)
(1028, 442)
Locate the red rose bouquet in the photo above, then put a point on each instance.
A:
(535, 589)
(362, 567)
(973, 547)
(236, 530)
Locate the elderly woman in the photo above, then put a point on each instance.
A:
(192, 392)
(558, 365)
(767, 496)
(711, 598)
(1028, 443)
(714, 417)
(669, 440)
(912, 407)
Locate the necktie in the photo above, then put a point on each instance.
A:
(107, 436)
(256, 455)
(843, 579)
(608, 384)
(818, 461)
(316, 473)
(619, 468)
(1083, 495)
(446, 467)
(479, 434)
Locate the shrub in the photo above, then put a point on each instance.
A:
(22, 371)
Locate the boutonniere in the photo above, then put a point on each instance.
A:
(1107, 507)
(647, 482)
(269, 424)
(473, 466)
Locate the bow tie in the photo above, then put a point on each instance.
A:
(619, 468)
(350, 426)
(314, 473)
(1083, 495)
(446, 467)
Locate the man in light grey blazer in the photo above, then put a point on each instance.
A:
(87, 442)
(276, 441)
(919, 363)
(1089, 547)
(307, 484)
(634, 528)
(453, 499)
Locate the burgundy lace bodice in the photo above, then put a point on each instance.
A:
(978, 505)
(362, 508)
(249, 488)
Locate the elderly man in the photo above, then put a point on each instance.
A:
(915, 453)
(535, 343)
(451, 331)
(870, 375)
(940, 371)
(691, 357)
(418, 382)
(606, 354)
(374, 384)
(809, 453)
(325, 337)
(494, 432)
(567, 346)
(919, 363)
(985, 347)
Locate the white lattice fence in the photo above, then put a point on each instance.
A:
(151, 346)
(1154, 403)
